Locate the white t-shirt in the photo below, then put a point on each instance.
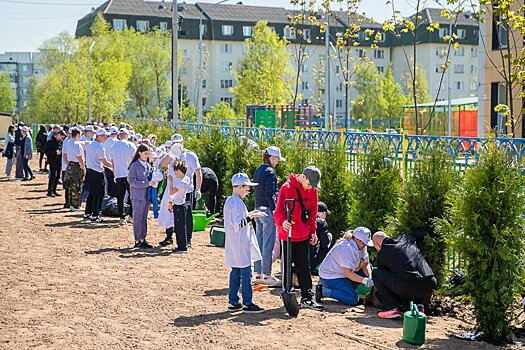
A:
(94, 154)
(74, 150)
(65, 147)
(192, 162)
(107, 146)
(84, 138)
(179, 198)
(343, 254)
(122, 152)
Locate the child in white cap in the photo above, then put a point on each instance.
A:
(241, 246)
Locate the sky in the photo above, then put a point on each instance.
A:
(25, 24)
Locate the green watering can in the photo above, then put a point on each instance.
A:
(200, 221)
(414, 326)
(217, 236)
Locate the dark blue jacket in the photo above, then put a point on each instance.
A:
(266, 192)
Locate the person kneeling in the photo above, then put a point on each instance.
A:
(345, 267)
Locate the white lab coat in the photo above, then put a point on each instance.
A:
(240, 247)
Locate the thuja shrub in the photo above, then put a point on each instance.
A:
(423, 200)
(485, 221)
(374, 191)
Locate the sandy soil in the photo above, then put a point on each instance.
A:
(69, 285)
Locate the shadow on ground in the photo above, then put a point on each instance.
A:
(245, 319)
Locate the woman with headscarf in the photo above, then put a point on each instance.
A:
(9, 150)
(40, 143)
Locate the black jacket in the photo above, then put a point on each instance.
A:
(319, 252)
(266, 192)
(40, 140)
(50, 149)
(401, 256)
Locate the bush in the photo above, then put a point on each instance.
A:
(374, 190)
(423, 199)
(485, 221)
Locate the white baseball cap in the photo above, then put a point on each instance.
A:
(363, 234)
(168, 144)
(123, 131)
(102, 131)
(113, 130)
(177, 138)
(275, 151)
(241, 179)
(25, 129)
(89, 128)
(138, 137)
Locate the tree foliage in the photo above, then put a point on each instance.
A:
(370, 102)
(421, 84)
(393, 96)
(7, 94)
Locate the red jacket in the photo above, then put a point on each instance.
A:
(301, 231)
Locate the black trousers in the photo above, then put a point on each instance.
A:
(394, 293)
(110, 181)
(190, 203)
(55, 170)
(180, 215)
(122, 186)
(28, 173)
(300, 260)
(210, 188)
(95, 187)
(40, 161)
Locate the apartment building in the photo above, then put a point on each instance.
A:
(431, 54)
(225, 28)
(20, 66)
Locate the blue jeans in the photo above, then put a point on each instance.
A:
(342, 289)
(9, 166)
(240, 277)
(265, 233)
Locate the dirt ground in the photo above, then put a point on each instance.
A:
(65, 284)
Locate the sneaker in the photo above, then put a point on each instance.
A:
(234, 308)
(271, 280)
(72, 208)
(86, 217)
(259, 279)
(166, 242)
(31, 178)
(311, 304)
(25, 179)
(97, 220)
(188, 245)
(145, 245)
(390, 314)
(137, 244)
(130, 220)
(49, 194)
(421, 308)
(57, 194)
(122, 222)
(252, 309)
(318, 293)
(179, 250)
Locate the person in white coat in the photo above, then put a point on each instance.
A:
(241, 246)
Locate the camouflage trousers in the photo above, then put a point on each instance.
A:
(73, 179)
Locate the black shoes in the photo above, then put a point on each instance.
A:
(49, 194)
(137, 244)
(234, 308)
(311, 304)
(56, 194)
(318, 293)
(179, 250)
(165, 242)
(145, 245)
(252, 309)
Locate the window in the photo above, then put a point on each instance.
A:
(380, 69)
(438, 68)
(306, 34)
(226, 48)
(272, 29)
(443, 32)
(460, 52)
(227, 30)
(24, 68)
(304, 85)
(226, 84)
(24, 92)
(361, 36)
(305, 102)
(119, 24)
(339, 87)
(476, 34)
(185, 53)
(461, 33)
(23, 80)
(473, 69)
(227, 99)
(227, 66)
(289, 33)
(361, 53)
(339, 103)
(337, 69)
(473, 86)
(441, 51)
(304, 68)
(474, 51)
(204, 29)
(204, 83)
(379, 54)
(460, 85)
(458, 68)
(382, 37)
(184, 70)
(247, 30)
(142, 25)
(499, 34)
(163, 26)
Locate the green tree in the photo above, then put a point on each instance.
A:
(222, 110)
(56, 51)
(369, 102)
(393, 95)
(421, 86)
(264, 70)
(7, 94)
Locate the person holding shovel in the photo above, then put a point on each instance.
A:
(302, 188)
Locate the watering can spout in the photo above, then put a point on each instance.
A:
(208, 220)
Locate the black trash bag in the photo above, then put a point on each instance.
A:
(110, 207)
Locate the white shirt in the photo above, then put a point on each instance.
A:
(94, 155)
(84, 138)
(74, 150)
(241, 246)
(179, 198)
(122, 152)
(65, 147)
(107, 147)
(343, 254)
(192, 162)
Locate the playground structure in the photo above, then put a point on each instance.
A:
(283, 116)
(433, 119)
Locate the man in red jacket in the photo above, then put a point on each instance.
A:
(303, 189)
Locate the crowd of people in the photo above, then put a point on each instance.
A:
(100, 160)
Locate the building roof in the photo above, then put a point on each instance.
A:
(433, 15)
(239, 12)
(454, 102)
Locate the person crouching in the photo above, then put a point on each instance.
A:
(241, 246)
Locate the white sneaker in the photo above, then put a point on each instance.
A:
(272, 281)
(72, 208)
(122, 222)
(259, 279)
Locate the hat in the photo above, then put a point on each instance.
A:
(168, 144)
(313, 175)
(123, 131)
(101, 132)
(81, 128)
(89, 128)
(241, 179)
(177, 138)
(131, 133)
(138, 137)
(25, 129)
(275, 151)
(113, 130)
(322, 208)
(363, 234)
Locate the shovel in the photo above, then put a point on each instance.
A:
(289, 299)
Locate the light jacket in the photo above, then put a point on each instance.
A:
(138, 181)
(301, 231)
(240, 247)
(27, 144)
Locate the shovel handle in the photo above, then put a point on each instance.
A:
(289, 205)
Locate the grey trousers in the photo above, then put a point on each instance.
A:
(140, 219)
